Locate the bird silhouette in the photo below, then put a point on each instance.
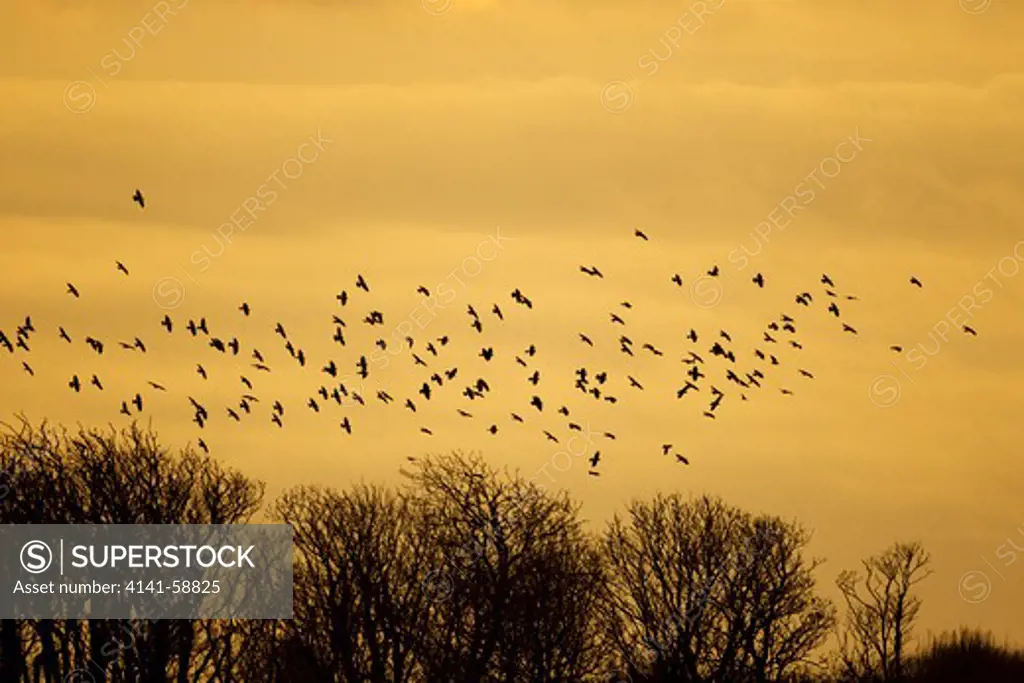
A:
(970, 330)
(121, 267)
(915, 281)
(641, 235)
(361, 284)
(759, 280)
(689, 386)
(138, 198)
(73, 291)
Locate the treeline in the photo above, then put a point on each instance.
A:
(466, 574)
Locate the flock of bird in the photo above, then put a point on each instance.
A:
(741, 370)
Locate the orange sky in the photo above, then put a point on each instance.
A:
(869, 140)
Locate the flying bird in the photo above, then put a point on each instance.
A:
(915, 281)
(121, 267)
(137, 198)
(641, 235)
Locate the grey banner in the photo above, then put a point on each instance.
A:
(145, 571)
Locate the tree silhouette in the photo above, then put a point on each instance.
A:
(110, 477)
(881, 612)
(467, 574)
(521, 574)
(701, 591)
(359, 595)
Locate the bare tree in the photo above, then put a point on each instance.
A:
(702, 591)
(359, 592)
(515, 578)
(881, 612)
(109, 477)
